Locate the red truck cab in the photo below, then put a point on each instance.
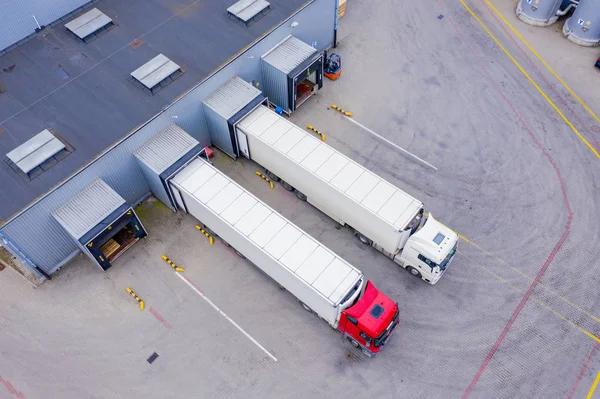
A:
(370, 322)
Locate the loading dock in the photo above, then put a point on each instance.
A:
(225, 107)
(100, 222)
(292, 71)
(165, 155)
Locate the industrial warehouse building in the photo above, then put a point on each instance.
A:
(81, 125)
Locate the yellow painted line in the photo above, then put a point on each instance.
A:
(593, 388)
(522, 273)
(539, 89)
(539, 302)
(539, 57)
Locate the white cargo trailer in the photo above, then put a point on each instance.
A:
(382, 215)
(322, 281)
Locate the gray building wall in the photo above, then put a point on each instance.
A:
(41, 241)
(16, 16)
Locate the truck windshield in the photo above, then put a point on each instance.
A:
(445, 262)
(384, 336)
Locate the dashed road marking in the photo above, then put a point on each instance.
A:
(229, 319)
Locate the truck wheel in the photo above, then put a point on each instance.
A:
(306, 307)
(414, 271)
(272, 176)
(354, 343)
(226, 243)
(301, 196)
(240, 254)
(287, 186)
(364, 239)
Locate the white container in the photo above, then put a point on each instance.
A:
(312, 273)
(338, 186)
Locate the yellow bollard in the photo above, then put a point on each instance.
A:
(309, 127)
(341, 110)
(173, 265)
(137, 298)
(211, 240)
(265, 178)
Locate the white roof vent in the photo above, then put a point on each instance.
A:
(88, 24)
(36, 151)
(248, 11)
(156, 73)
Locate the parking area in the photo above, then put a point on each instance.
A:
(443, 113)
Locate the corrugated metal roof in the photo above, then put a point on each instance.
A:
(231, 97)
(288, 54)
(166, 148)
(88, 208)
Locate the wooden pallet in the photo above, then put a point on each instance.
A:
(110, 248)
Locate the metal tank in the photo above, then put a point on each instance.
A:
(583, 27)
(541, 12)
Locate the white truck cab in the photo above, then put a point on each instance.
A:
(428, 252)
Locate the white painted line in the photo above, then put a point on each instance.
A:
(392, 144)
(193, 286)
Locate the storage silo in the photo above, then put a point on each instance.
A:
(540, 12)
(583, 27)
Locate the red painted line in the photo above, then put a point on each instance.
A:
(541, 75)
(550, 258)
(159, 318)
(583, 370)
(21, 396)
(10, 387)
(192, 283)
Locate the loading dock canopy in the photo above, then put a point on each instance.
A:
(224, 107)
(101, 223)
(289, 54)
(291, 72)
(83, 215)
(162, 156)
(167, 147)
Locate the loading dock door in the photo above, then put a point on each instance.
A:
(115, 239)
(243, 143)
(101, 223)
(178, 198)
(305, 82)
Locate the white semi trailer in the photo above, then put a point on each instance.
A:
(381, 214)
(322, 281)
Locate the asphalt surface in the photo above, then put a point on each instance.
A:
(515, 316)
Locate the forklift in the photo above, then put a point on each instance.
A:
(333, 66)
